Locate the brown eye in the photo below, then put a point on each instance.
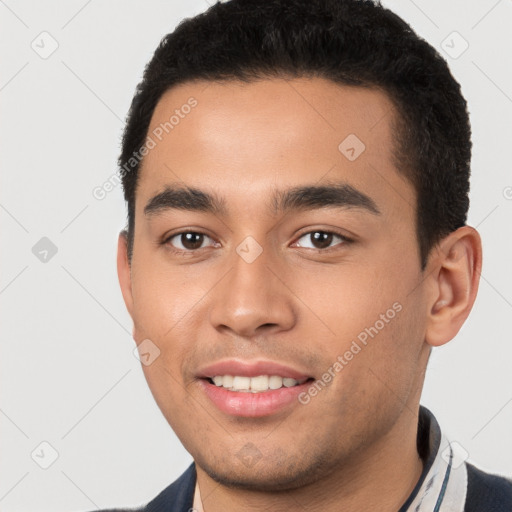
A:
(320, 240)
(187, 241)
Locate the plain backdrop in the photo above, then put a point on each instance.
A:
(68, 373)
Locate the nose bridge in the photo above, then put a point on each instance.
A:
(252, 296)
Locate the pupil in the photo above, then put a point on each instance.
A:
(192, 240)
(321, 240)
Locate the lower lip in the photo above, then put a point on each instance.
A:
(252, 405)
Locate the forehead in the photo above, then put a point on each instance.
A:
(275, 133)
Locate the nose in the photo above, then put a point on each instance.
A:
(253, 299)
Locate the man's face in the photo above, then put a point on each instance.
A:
(323, 288)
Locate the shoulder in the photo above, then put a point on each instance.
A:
(487, 492)
(177, 497)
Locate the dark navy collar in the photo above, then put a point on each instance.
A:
(178, 497)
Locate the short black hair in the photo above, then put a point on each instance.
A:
(350, 42)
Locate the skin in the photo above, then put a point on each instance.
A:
(353, 446)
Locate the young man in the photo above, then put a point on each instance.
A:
(297, 177)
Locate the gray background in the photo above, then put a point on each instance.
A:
(69, 377)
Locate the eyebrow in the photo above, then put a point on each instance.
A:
(341, 195)
(185, 198)
(309, 197)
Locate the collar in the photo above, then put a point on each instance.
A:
(443, 483)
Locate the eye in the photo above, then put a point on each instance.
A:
(187, 241)
(321, 240)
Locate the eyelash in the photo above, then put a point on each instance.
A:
(167, 240)
(345, 241)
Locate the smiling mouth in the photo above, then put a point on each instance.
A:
(259, 384)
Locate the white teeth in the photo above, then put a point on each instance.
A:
(253, 384)
(288, 383)
(226, 381)
(275, 382)
(259, 383)
(241, 383)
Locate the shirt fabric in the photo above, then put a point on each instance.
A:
(447, 484)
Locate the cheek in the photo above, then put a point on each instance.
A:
(163, 298)
(168, 310)
(372, 325)
(386, 369)
(344, 302)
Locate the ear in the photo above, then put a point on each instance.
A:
(124, 271)
(454, 273)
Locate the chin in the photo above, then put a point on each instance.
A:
(265, 476)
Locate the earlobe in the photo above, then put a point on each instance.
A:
(124, 271)
(454, 274)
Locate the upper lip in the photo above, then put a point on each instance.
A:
(237, 367)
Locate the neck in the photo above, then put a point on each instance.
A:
(381, 478)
